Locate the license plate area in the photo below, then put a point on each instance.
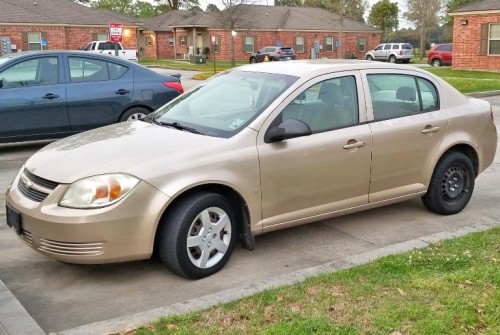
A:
(14, 219)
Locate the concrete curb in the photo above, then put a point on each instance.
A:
(14, 319)
(130, 322)
(484, 94)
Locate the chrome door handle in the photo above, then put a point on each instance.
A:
(430, 130)
(353, 144)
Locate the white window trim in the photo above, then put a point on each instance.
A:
(492, 39)
(297, 44)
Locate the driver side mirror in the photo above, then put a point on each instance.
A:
(288, 129)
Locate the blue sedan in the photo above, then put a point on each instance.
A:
(53, 94)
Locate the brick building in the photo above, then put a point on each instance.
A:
(56, 24)
(179, 33)
(64, 24)
(476, 36)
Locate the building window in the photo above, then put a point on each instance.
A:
(216, 43)
(494, 40)
(362, 44)
(34, 41)
(329, 43)
(149, 41)
(171, 41)
(249, 44)
(182, 41)
(299, 44)
(102, 37)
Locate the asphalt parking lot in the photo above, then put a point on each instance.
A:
(73, 299)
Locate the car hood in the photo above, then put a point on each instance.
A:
(137, 148)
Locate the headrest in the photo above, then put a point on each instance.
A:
(406, 93)
(330, 93)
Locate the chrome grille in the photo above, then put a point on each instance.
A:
(71, 249)
(34, 187)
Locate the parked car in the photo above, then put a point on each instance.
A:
(254, 149)
(273, 54)
(391, 52)
(52, 94)
(112, 49)
(440, 54)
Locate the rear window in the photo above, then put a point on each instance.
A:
(287, 49)
(407, 46)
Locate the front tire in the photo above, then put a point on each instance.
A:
(252, 60)
(197, 236)
(451, 185)
(370, 58)
(436, 62)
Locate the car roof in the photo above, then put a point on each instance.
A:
(300, 68)
(64, 52)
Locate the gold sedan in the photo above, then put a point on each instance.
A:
(255, 149)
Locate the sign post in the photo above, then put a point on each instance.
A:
(115, 34)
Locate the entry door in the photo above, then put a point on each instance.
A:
(33, 99)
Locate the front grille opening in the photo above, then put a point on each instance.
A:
(33, 192)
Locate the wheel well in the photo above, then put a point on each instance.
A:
(237, 201)
(469, 152)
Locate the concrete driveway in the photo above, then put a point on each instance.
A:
(76, 299)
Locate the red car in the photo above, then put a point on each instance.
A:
(440, 54)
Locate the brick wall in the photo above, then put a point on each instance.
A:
(467, 43)
(64, 37)
(287, 38)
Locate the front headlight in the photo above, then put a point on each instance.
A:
(98, 191)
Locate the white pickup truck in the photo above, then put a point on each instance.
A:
(107, 47)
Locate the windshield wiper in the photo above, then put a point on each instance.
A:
(177, 126)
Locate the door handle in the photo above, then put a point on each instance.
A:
(50, 96)
(353, 144)
(122, 91)
(430, 129)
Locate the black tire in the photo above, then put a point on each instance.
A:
(252, 60)
(406, 61)
(134, 113)
(436, 62)
(369, 57)
(392, 59)
(185, 219)
(451, 185)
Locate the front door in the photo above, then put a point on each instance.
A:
(33, 100)
(323, 172)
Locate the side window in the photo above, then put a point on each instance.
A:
(33, 72)
(87, 69)
(116, 70)
(327, 105)
(396, 95)
(387, 47)
(428, 95)
(395, 47)
(380, 47)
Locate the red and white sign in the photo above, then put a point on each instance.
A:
(115, 32)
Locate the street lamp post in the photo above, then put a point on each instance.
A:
(233, 35)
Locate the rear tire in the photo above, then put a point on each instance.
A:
(392, 59)
(135, 113)
(451, 185)
(197, 236)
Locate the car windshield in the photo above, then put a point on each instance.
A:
(225, 104)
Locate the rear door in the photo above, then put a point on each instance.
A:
(99, 91)
(33, 99)
(408, 126)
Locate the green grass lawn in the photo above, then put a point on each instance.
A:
(448, 288)
(464, 81)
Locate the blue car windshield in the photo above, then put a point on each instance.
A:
(225, 104)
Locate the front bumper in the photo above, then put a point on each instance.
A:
(121, 232)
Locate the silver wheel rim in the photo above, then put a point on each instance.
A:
(136, 116)
(392, 59)
(209, 237)
(435, 63)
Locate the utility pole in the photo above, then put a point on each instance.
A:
(341, 30)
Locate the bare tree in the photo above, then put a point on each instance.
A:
(424, 14)
(234, 15)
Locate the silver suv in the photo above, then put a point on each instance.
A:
(392, 52)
